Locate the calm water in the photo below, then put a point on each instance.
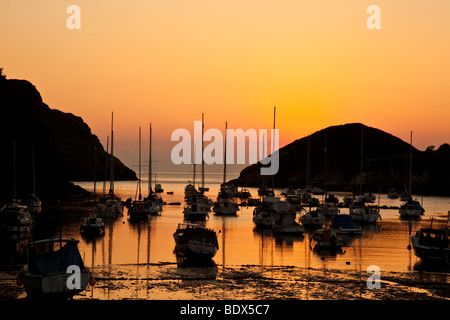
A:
(130, 257)
(126, 243)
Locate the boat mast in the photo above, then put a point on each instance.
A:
(140, 194)
(14, 169)
(111, 172)
(410, 165)
(203, 162)
(106, 166)
(361, 164)
(34, 173)
(225, 156)
(273, 146)
(150, 163)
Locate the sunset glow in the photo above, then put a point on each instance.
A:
(166, 62)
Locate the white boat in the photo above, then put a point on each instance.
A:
(48, 272)
(262, 218)
(110, 205)
(313, 219)
(411, 208)
(92, 226)
(225, 206)
(195, 241)
(283, 218)
(362, 213)
(327, 239)
(15, 219)
(284, 222)
(195, 212)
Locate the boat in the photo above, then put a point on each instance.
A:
(432, 245)
(158, 188)
(193, 211)
(284, 222)
(369, 197)
(358, 210)
(195, 241)
(392, 194)
(411, 208)
(153, 201)
(110, 205)
(327, 239)
(139, 210)
(92, 226)
(295, 201)
(190, 191)
(313, 219)
(225, 206)
(245, 193)
(282, 218)
(15, 219)
(328, 209)
(345, 224)
(49, 272)
(362, 213)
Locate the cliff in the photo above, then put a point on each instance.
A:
(63, 144)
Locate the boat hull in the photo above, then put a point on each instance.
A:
(53, 285)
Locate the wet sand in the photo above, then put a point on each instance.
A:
(167, 281)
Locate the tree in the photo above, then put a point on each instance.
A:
(2, 75)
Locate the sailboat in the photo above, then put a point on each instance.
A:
(411, 208)
(359, 212)
(225, 204)
(15, 218)
(110, 206)
(153, 201)
(139, 209)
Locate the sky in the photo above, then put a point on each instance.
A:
(168, 61)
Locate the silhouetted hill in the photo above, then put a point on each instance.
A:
(385, 163)
(63, 145)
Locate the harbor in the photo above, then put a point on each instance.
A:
(136, 260)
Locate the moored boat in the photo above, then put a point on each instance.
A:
(195, 241)
(432, 245)
(54, 273)
(92, 226)
(345, 224)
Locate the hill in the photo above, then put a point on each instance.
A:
(385, 163)
(63, 144)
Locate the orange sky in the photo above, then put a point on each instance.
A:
(167, 61)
